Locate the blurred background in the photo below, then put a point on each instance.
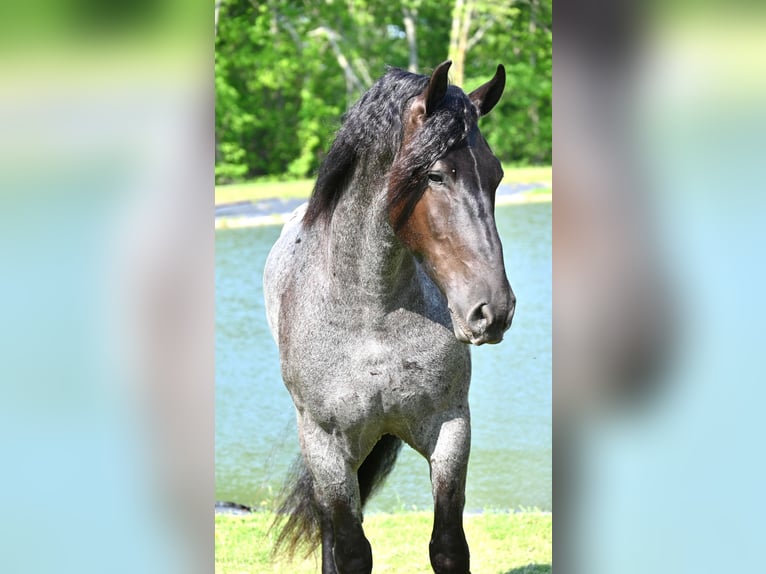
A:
(658, 243)
(106, 296)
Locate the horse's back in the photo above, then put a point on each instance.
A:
(278, 266)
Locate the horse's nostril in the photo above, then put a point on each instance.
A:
(479, 317)
(488, 323)
(486, 312)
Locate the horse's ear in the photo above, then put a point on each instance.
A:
(426, 102)
(485, 97)
(437, 86)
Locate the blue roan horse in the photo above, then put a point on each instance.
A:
(372, 291)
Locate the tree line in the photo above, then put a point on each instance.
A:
(286, 71)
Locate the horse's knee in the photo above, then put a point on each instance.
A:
(449, 553)
(353, 556)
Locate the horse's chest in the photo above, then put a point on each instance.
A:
(365, 379)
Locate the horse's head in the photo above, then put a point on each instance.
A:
(442, 198)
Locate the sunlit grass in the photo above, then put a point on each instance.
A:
(501, 543)
(532, 174)
(259, 190)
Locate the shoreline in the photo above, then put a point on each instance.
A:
(277, 216)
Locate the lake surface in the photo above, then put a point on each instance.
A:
(510, 396)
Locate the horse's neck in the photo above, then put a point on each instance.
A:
(364, 256)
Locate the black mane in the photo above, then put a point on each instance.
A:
(371, 137)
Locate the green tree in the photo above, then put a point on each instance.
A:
(286, 71)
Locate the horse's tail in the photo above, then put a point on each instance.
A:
(298, 517)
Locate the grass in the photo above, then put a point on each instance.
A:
(500, 544)
(531, 174)
(259, 190)
(301, 189)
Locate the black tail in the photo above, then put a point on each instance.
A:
(298, 517)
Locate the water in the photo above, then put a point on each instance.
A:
(510, 398)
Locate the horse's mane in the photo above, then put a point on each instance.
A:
(371, 136)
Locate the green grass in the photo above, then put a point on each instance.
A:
(301, 189)
(500, 544)
(258, 190)
(532, 174)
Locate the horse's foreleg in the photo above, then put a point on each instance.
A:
(345, 549)
(328, 542)
(352, 551)
(449, 463)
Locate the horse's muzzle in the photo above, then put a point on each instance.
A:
(484, 323)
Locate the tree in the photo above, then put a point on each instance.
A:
(286, 71)
(471, 20)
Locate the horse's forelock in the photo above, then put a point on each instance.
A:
(444, 130)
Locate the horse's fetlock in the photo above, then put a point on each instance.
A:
(444, 563)
(449, 555)
(354, 558)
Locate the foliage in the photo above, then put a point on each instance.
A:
(502, 543)
(286, 71)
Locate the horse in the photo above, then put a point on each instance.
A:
(374, 292)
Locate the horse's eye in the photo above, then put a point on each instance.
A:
(435, 177)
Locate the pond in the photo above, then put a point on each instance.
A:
(510, 465)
